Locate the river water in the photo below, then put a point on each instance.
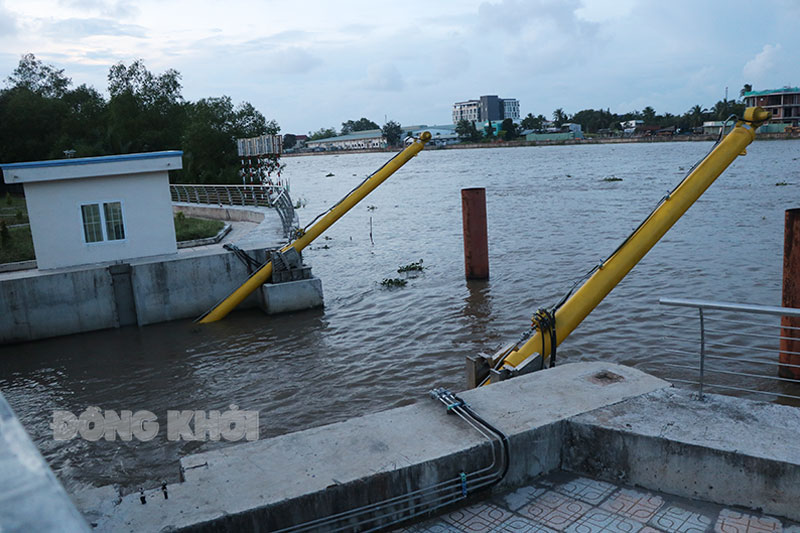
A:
(552, 216)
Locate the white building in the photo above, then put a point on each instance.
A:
(98, 209)
(469, 110)
(360, 140)
(511, 109)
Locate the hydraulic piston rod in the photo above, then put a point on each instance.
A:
(263, 274)
(611, 271)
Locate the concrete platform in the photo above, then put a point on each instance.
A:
(610, 422)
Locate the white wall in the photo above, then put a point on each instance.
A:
(54, 209)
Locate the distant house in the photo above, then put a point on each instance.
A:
(359, 140)
(784, 104)
(98, 209)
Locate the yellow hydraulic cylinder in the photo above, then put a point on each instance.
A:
(611, 272)
(263, 275)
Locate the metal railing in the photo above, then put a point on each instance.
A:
(737, 347)
(243, 195)
(273, 196)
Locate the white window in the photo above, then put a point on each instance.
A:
(103, 224)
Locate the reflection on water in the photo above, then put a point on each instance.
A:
(551, 218)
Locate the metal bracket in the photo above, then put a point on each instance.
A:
(288, 266)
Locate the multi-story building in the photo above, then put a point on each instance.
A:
(468, 110)
(488, 107)
(784, 104)
(511, 108)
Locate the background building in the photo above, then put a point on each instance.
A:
(488, 107)
(784, 104)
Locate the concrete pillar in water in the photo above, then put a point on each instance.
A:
(791, 295)
(476, 245)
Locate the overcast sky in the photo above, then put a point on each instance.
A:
(314, 63)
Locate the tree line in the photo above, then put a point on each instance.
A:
(45, 117)
(602, 120)
(595, 120)
(392, 130)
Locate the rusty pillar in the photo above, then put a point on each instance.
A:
(791, 296)
(476, 245)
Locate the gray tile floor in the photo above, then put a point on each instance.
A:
(573, 504)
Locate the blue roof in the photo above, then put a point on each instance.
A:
(92, 160)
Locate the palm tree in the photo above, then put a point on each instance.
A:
(559, 117)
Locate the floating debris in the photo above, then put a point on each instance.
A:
(781, 184)
(372, 207)
(394, 282)
(411, 267)
(612, 178)
(329, 175)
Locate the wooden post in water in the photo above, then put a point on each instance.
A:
(791, 296)
(476, 245)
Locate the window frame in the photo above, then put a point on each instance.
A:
(101, 207)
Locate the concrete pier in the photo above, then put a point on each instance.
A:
(36, 304)
(608, 421)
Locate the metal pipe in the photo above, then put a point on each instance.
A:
(575, 309)
(261, 276)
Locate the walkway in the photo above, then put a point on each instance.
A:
(574, 504)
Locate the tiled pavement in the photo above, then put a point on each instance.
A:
(572, 504)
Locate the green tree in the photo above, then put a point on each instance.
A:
(289, 140)
(362, 124)
(146, 111)
(559, 117)
(393, 132)
(649, 115)
(464, 129)
(532, 123)
(746, 89)
(696, 116)
(322, 133)
(44, 80)
(509, 130)
(209, 138)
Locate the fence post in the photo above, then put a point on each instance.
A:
(790, 342)
(476, 245)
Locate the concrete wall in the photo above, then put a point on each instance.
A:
(47, 305)
(54, 209)
(36, 305)
(187, 287)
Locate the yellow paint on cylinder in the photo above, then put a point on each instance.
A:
(614, 269)
(263, 275)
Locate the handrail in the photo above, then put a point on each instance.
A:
(725, 306)
(720, 346)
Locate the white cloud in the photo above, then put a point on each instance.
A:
(384, 77)
(77, 28)
(291, 60)
(763, 64)
(115, 9)
(8, 21)
(604, 10)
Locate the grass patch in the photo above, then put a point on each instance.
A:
(189, 228)
(13, 210)
(16, 244)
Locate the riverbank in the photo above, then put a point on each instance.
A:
(568, 142)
